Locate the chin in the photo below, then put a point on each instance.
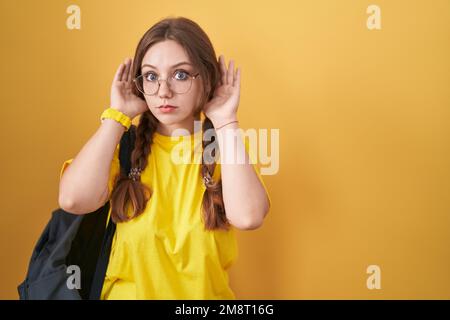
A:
(168, 122)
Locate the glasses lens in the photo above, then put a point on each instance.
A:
(180, 85)
(145, 85)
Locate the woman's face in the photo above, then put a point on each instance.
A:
(162, 61)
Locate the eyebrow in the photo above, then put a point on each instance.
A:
(175, 65)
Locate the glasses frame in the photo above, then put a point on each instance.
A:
(193, 77)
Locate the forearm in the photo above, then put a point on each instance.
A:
(84, 184)
(244, 196)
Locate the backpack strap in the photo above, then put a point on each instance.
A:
(125, 150)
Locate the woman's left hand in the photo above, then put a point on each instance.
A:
(222, 108)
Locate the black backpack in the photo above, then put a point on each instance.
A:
(74, 243)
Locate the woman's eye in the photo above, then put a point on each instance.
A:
(150, 77)
(183, 75)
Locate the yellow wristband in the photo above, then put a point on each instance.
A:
(118, 116)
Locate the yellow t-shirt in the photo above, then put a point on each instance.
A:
(165, 253)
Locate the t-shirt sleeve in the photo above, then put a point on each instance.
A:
(114, 170)
(253, 161)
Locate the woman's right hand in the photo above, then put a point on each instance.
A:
(122, 96)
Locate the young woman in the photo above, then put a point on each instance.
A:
(175, 234)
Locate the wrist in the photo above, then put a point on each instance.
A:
(127, 113)
(112, 123)
(224, 122)
(116, 115)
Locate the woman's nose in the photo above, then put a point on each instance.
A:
(164, 89)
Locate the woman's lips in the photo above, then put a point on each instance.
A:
(167, 108)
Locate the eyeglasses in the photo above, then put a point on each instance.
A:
(180, 82)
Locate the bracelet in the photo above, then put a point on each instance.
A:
(226, 124)
(118, 116)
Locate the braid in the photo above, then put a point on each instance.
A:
(126, 189)
(144, 139)
(213, 207)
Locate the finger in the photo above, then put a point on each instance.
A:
(237, 78)
(130, 73)
(223, 69)
(119, 71)
(127, 69)
(126, 73)
(230, 73)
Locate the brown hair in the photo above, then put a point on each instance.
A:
(201, 52)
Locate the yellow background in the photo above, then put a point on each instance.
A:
(364, 132)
